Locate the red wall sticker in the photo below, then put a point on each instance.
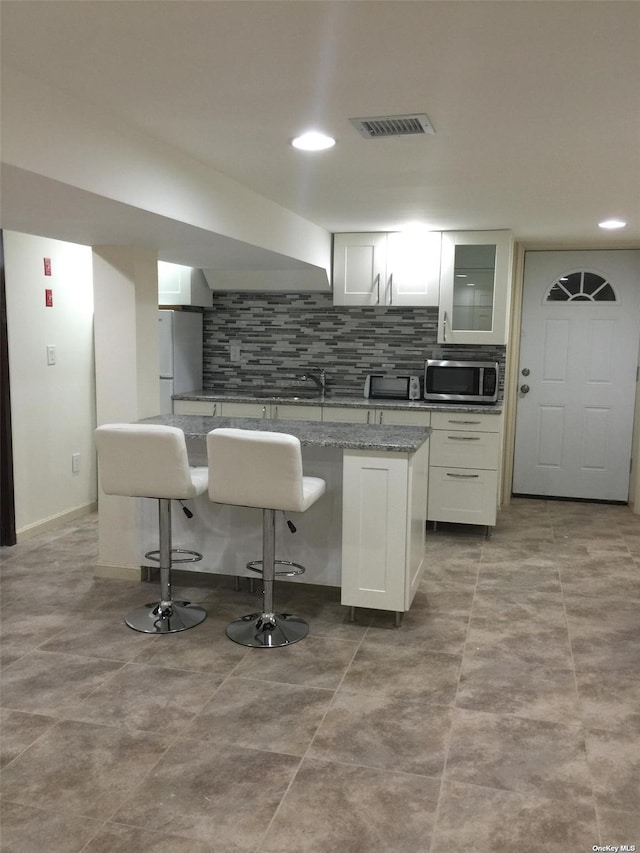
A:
(48, 298)
(47, 266)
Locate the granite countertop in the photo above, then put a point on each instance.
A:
(398, 439)
(338, 401)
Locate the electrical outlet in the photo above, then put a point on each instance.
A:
(75, 462)
(234, 352)
(51, 354)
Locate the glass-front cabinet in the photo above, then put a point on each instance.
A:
(475, 287)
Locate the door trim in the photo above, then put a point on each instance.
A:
(513, 362)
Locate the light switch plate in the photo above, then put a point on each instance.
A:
(51, 354)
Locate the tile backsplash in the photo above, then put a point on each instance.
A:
(267, 339)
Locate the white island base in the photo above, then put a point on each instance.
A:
(365, 535)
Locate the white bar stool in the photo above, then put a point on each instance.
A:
(150, 461)
(263, 470)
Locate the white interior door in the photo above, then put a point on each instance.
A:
(578, 364)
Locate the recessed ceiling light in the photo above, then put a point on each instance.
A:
(611, 224)
(313, 141)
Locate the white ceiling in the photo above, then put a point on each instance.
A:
(536, 105)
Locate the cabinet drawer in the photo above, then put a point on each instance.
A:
(464, 496)
(462, 420)
(457, 449)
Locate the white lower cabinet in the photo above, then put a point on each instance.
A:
(371, 415)
(233, 409)
(294, 412)
(230, 409)
(384, 495)
(464, 460)
(348, 414)
(195, 407)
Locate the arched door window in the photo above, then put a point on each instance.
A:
(581, 286)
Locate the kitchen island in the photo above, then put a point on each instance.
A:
(365, 535)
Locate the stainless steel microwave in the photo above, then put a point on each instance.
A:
(461, 381)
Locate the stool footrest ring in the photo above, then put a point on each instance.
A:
(295, 568)
(194, 556)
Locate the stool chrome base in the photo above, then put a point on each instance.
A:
(165, 617)
(267, 630)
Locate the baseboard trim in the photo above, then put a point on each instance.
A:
(54, 521)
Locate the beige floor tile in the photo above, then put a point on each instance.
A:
(485, 820)
(115, 838)
(52, 683)
(148, 698)
(272, 717)
(410, 736)
(19, 731)
(82, 769)
(218, 794)
(28, 829)
(337, 807)
(406, 672)
(314, 662)
(531, 757)
(515, 677)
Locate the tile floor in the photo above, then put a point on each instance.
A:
(503, 715)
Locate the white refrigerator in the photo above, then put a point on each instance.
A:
(180, 336)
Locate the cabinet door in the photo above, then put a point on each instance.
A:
(402, 417)
(245, 410)
(475, 287)
(413, 268)
(374, 530)
(195, 407)
(346, 414)
(359, 269)
(290, 411)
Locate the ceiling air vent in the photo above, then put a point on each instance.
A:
(374, 127)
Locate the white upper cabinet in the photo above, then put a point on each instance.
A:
(475, 287)
(397, 268)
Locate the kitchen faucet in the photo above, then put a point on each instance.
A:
(318, 376)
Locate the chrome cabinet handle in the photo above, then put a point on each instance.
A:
(275, 411)
(463, 476)
(215, 409)
(378, 285)
(444, 326)
(381, 414)
(368, 416)
(464, 422)
(464, 437)
(390, 290)
(264, 411)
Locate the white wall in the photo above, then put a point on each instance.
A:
(52, 406)
(125, 282)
